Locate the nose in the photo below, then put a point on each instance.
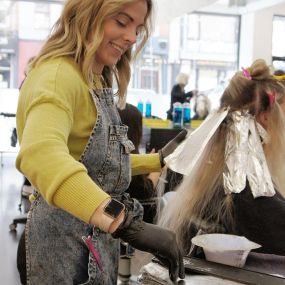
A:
(130, 35)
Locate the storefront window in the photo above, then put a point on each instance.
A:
(24, 25)
(278, 43)
(203, 45)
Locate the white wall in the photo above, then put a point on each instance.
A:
(256, 35)
(159, 103)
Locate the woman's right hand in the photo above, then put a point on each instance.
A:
(153, 239)
(130, 227)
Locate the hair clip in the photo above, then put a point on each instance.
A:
(271, 97)
(246, 73)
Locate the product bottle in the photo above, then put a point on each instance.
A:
(148, 109)
(186, 115)
(177, 115)
(140, 106)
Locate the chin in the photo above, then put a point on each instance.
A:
(111, 61)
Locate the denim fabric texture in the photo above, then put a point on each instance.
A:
(56, 253)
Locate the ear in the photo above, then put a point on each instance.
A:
(262, 118)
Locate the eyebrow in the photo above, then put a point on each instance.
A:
(128, 16)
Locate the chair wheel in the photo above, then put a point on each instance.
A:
(12, 227)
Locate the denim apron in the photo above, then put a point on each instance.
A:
(56, 253)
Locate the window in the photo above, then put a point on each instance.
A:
(24, 26)
(201, 44)
(41, 16)
(278, 43)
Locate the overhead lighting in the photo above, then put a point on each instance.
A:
(237, 3)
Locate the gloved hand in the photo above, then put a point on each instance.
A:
(153, 239)
(171, 146)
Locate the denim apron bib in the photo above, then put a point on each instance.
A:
(106, 157)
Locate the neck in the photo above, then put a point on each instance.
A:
(97, 67)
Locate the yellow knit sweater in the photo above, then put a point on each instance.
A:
(55, 117)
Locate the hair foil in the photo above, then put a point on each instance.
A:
(244, 157)
(236, 153)
(188, 153)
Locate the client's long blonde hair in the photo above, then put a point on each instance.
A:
(201, 202)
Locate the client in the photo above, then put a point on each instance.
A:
(235, 180)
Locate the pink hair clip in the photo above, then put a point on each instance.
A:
(246, 73)
(271, 96)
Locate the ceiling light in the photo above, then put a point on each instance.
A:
(238, 3)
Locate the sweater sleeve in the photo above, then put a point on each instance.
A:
(45, 119)
(145, 163)
(261, 220)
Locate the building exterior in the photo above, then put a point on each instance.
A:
(24, 27)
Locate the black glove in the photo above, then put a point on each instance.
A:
(171, 146)
(153, 239)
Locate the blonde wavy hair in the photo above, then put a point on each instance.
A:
(70, 34)
(182, 78)
(201, 202)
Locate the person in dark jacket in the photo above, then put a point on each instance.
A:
(178, 93)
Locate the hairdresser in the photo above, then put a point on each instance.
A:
(75, 151)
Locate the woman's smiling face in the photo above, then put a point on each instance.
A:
(120, 33)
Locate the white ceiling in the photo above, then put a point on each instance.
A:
(246, 6)
(166, 10)
(169, 9)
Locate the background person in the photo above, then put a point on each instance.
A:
(202, 107)
(279, 72)
(178, 93)
(142, 187)
(75, 151)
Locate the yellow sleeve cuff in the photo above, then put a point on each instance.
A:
(145, 163)
(79, 196)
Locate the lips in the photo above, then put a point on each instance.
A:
(120, 49)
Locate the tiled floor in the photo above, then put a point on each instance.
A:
(10, 197)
